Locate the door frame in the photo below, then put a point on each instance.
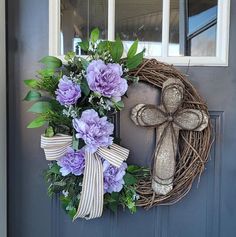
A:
(3, 123)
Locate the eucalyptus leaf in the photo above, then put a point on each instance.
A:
(40, 107)
(117, 50)
(32, 95)
(36, 123)
(51, 62)
(94, 36)
(133, 49)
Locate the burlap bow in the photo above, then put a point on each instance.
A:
(91, 200)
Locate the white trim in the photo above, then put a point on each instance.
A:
(165, 27)
(222, 46)
(111, 20)
(3, 182)
(54, 27)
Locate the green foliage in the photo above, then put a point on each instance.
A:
(117, 50)
(84, 45)
(49, 132)
(36, 123)
(51, 62)
(94, 36)
(32, 83)
(69, 56)
(133, 49)
(32, 95)
(40, 107)
(135, 61)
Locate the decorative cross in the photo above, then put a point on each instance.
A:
(168, 119)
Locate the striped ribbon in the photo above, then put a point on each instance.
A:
(91, 199)
(56, 146)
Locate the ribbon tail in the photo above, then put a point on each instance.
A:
(91, 201)
(115, 154)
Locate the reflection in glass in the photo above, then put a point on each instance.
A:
(78, 18)
(193, 28)
(142, 20)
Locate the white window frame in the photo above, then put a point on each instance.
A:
(222, 41)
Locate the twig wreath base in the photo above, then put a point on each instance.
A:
(194, 147)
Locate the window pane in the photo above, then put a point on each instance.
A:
(204, 44)
(142, 20)
(78, 18)
(193, 23)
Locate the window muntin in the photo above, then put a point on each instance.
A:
(222, 35)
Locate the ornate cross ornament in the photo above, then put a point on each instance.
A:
(168, 119)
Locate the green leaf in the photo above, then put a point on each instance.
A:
(119, 105)
(133, 169)
(84, 63)
(130, 179)
(94, 36)
(75, 143)
(32, 83)
(117, 50)
(69, 55)
(104, 46)
(36, 123)
(55, 169)
(84, 87)
(135, 61)
(51, 62)
(49, 132)
(40, 107)
(72, 212)
(32, 95)
(84, 45)
(46, 72)
(133, 49)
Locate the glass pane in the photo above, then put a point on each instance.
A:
(204, 44)
(193, 23)
(142, 20)
(78, 18)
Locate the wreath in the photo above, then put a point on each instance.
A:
(77, 100)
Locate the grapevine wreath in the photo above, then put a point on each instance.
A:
(87, 168)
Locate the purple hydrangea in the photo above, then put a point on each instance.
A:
(72, 162)
(106, 79)
(68, 92)
(95, 131)
(113, 177)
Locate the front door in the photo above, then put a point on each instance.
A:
(209, 210)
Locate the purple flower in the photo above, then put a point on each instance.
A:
(68, 92)
(113, 177)
(72, 162)
(106, 79)
(95, 131)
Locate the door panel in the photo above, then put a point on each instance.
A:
(208, 210)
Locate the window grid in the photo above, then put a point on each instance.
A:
(222, 41)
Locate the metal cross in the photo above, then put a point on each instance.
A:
(168, 119)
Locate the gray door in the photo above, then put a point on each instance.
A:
(209, 210)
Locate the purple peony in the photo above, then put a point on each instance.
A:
(72, 162)
(68, 92)
(113, 177)
(106, 79)
(95, 131)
